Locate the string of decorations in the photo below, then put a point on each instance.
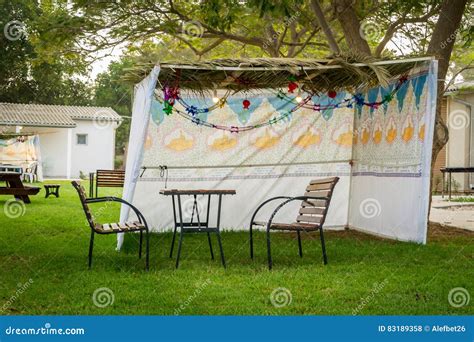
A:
(233, 129)
(357, 99)
(193, 110)
(171, 96)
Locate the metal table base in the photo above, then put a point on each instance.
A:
(197, 226)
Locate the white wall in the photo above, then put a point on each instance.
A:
(97, 154)
(100, 149)
(53, 147)
(458, 148)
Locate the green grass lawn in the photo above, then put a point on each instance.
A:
(462, 199)
(43, 270)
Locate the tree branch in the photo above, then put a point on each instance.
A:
(325, 27)
(396, 25)
(347, 17)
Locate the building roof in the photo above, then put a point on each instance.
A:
(19, 114)
(465, 87)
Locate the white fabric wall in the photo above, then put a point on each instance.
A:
(140, 118)
(258, 164)
(388, 169)
(238, 209)
(390, 181)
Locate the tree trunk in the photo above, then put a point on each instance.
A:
(347, 17)
(441, 46)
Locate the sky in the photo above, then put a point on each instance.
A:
(101, 65)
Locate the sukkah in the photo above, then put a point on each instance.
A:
(368, 122)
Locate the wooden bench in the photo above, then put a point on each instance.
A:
(107, 179)
(51, 189)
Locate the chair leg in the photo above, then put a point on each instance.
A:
(221, 249)
(140, 246)
(323, 246)
(269, 252)
(300, 248)
(172, 242)
(179, 247)
(147, 257)
(251, 241)
(210, 245)
(91, 247)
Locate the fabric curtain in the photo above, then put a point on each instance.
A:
(143, 94)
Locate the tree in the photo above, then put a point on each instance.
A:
(111, 92)
(444, 33)
(26, 78)
(299, 28)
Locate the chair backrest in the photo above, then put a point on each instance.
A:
(34, 167)
(82, 196)
(314, 211)
(110, 178)
(31, 168)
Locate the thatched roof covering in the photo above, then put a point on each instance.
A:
(314, 75)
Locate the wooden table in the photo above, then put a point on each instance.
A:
(14, 186)
(449, 171)
(198, 226)
(10, 168)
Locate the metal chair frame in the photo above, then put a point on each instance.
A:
(287, 200)
(94, 230)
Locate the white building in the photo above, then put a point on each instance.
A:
(457, 111)
(68, 139)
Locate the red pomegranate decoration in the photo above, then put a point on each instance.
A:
(332, 94)
(246, 104)
(292, 86)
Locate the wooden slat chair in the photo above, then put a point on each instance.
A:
(113, 228)
(311, 216)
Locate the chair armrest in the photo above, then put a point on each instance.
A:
(263, 204)
(298, 198)
(140, 216)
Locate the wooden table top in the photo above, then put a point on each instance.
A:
(9, 175)
(462, 169)
(168, 192)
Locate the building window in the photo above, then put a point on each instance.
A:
(81, 139)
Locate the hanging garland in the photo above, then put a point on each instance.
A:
(233, 129)
(194, 110)
(171, 95)
(357, 99)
